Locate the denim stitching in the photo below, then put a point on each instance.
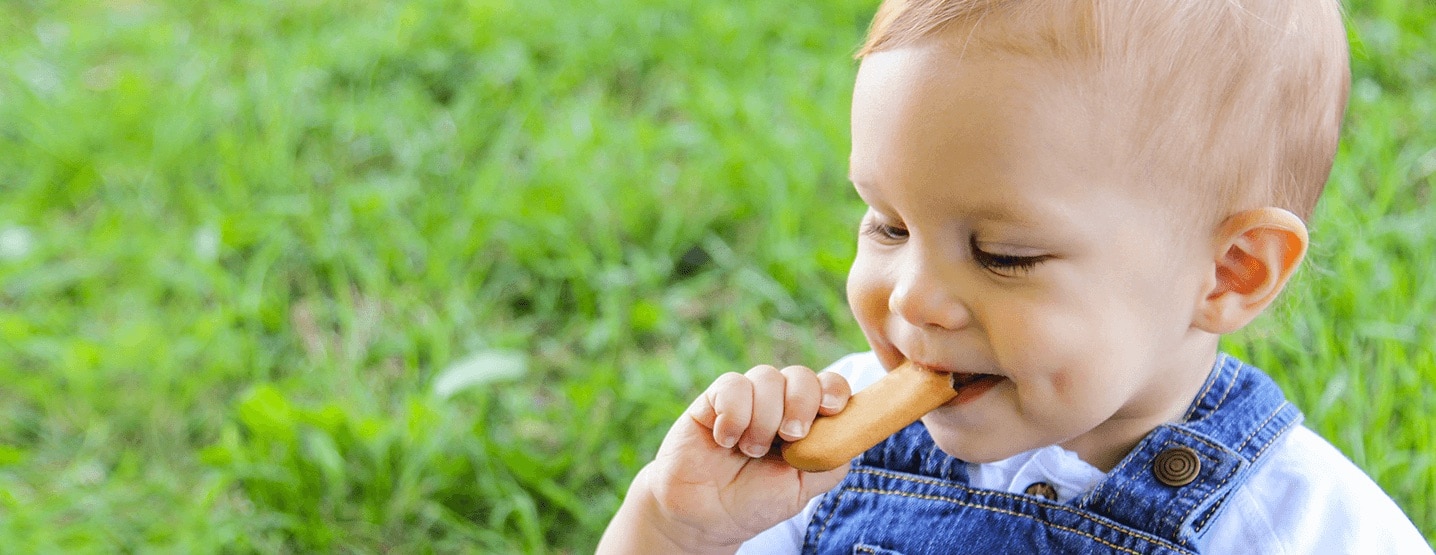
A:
(1108, 501)
(1204, 520)
(1005, 495)
(945, 469)
(928, 459)
(1203, 523)
(1283, 430)
(959, 502)
(1175, 512)
(1261, 426)
(1230, 386)
(1221, 367)
(1220, 487)
(1123, 487)
(1102, 486)
(1192, 435)
(1216, 508)
(1179, 515)
(1288, 426)
(836, 502)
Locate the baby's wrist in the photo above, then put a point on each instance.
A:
(659, 530)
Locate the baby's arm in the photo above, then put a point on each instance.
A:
(713, 484)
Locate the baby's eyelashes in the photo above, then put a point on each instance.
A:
(1005, 262)
(1007, 265)
(883, 232)
(1001, 259)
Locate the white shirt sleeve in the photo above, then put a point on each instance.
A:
(1309, 498)
(861, 370)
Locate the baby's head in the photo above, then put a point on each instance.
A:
(1079, 198)
(1236, 102)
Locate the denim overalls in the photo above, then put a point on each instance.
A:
(906, 496)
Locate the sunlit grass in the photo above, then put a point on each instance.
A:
(239, 241)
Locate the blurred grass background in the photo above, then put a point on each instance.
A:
(437, 275)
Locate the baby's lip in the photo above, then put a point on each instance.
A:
(936, 368)
(941, 369)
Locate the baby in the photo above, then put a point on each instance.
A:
(1069, 203)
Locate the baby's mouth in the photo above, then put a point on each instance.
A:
(969, 386)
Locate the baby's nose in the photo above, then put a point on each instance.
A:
(925, 299)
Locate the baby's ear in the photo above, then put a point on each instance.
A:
(1256, 253)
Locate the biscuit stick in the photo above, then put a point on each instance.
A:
(898, 399)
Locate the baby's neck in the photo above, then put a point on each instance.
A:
(1166, 402)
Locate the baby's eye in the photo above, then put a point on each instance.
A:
(1005, 264)
(883, 232)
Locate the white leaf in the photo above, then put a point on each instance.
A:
(15, 242)
(478, 369)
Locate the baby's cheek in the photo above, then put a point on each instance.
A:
(1061, 383)
(1057, 351)
(867, 294)
(1039, 339)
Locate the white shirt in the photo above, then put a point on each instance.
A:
(1308, 498)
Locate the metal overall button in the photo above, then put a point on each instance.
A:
(1042, 489)
(1177, 466)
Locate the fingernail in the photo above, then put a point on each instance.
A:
(831, 401)
(793, 429)
(755, 451)
(728, 442)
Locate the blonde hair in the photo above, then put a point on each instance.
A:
(1240, 99)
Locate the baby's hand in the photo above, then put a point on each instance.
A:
(714, 483)
(748, 411)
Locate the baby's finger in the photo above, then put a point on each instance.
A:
(835, 393)
(702, 411)
(730, 402)
(767, 410)
(800, 402)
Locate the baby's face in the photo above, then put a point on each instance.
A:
(1004, 239)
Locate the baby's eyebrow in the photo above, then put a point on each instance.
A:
(998, 212)
(1003, 213)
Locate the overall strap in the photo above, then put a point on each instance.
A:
(1176, 480)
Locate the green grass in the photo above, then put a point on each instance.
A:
(240, 241)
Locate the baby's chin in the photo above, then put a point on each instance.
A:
(980, 452)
